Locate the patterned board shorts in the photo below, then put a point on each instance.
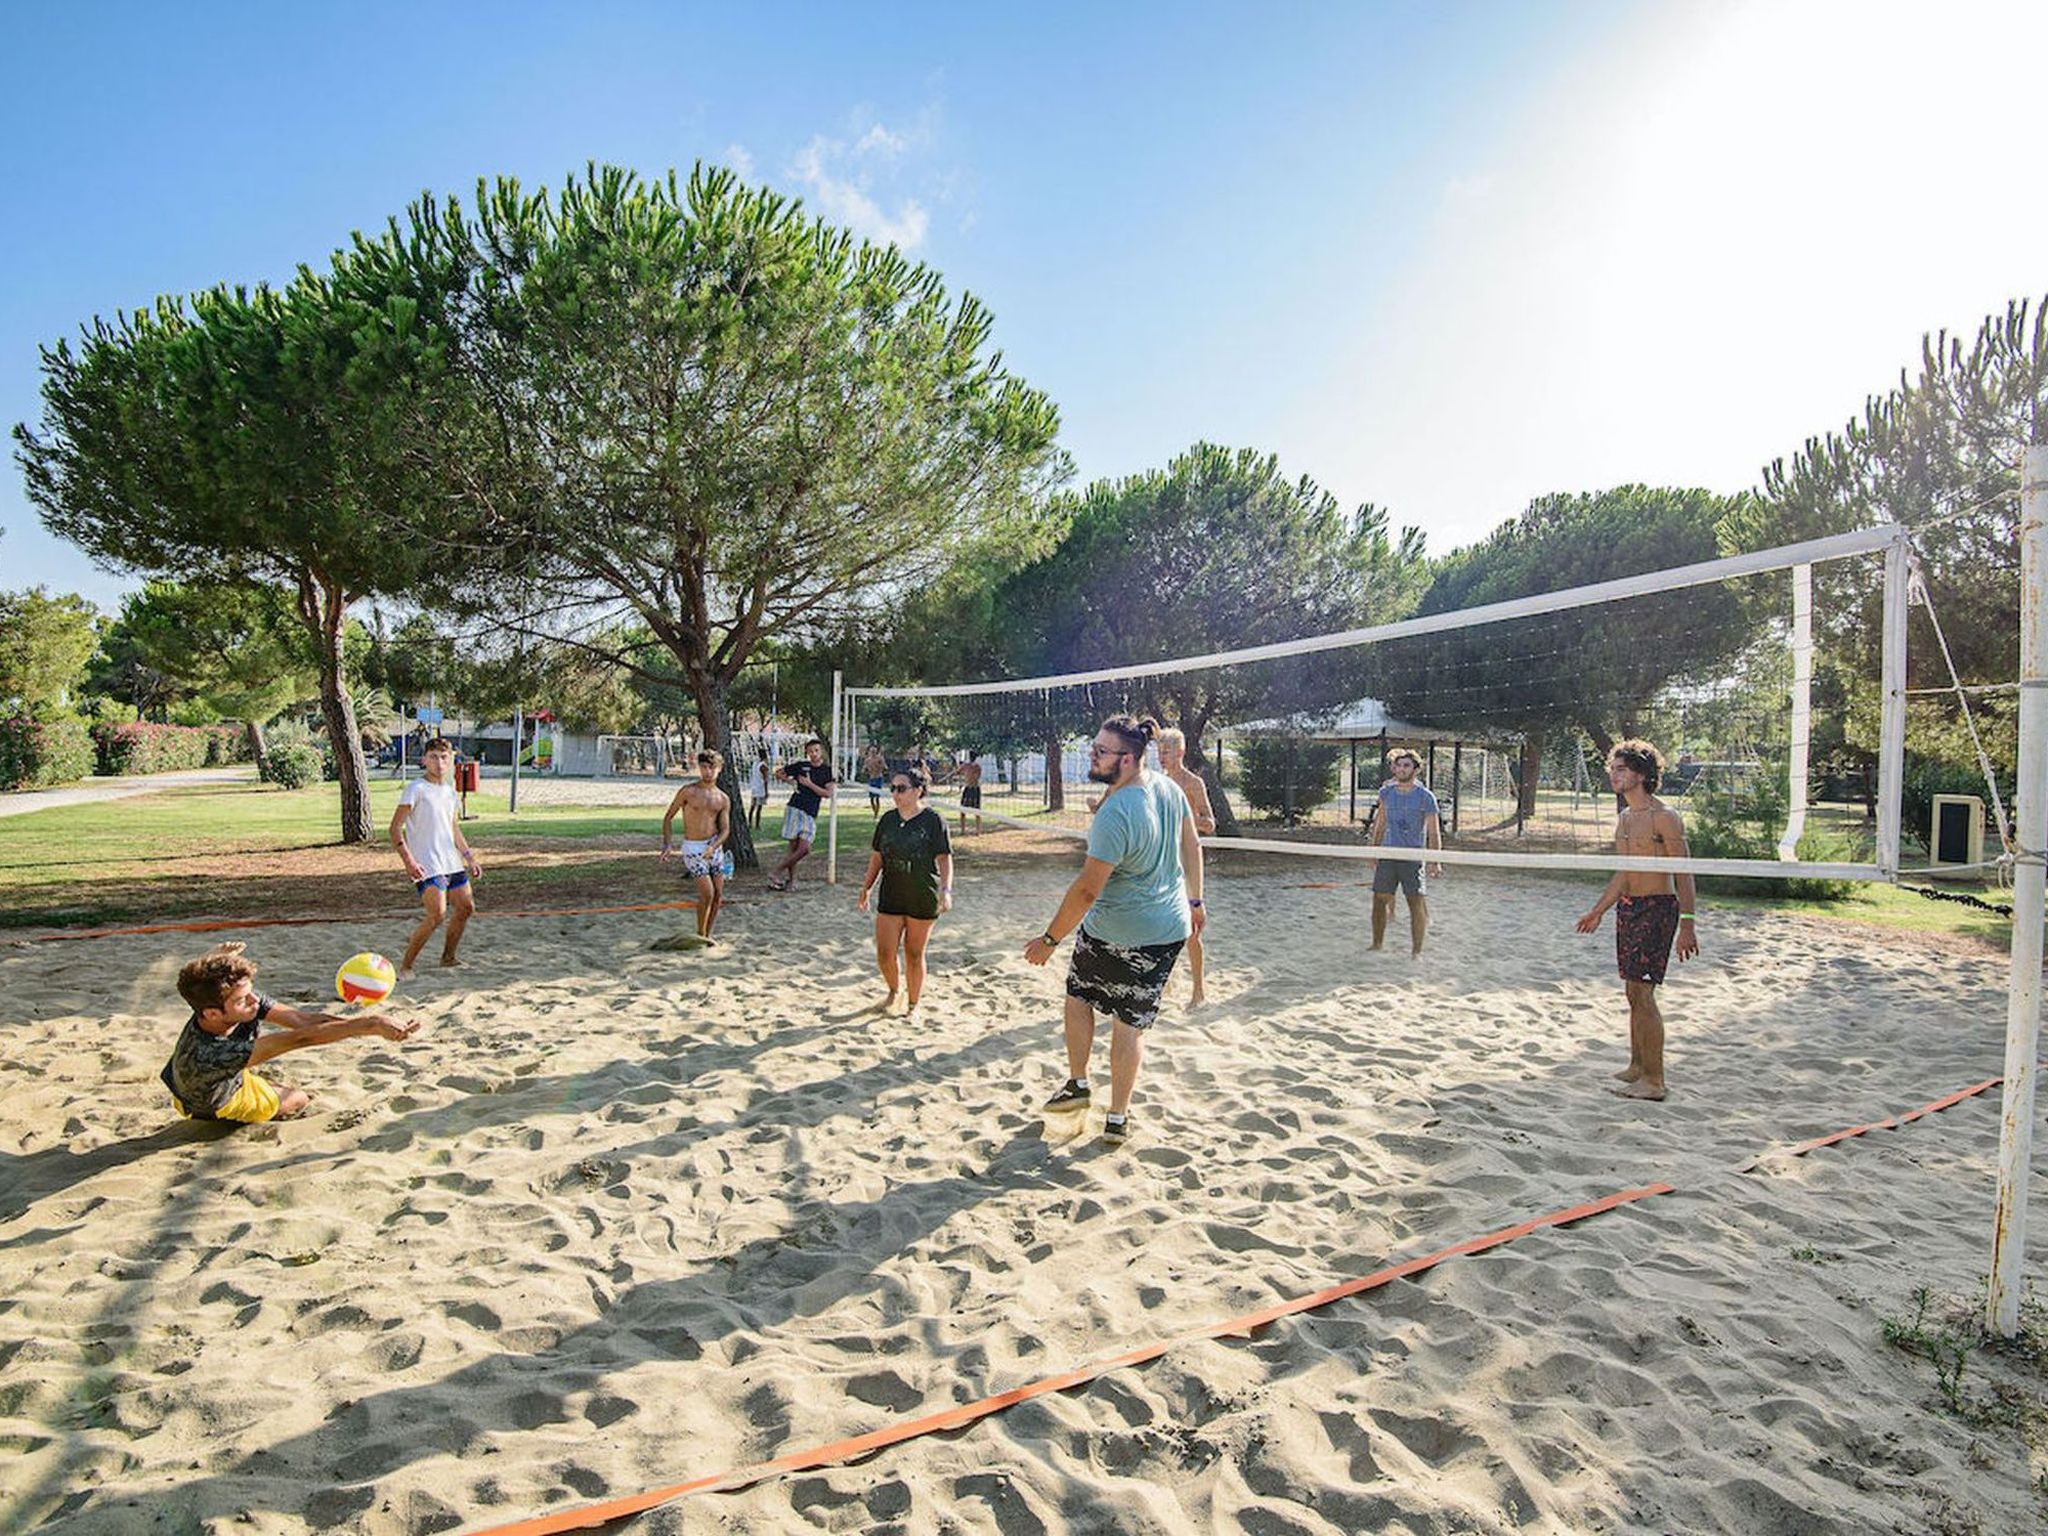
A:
(700, 864)
(1644, 927)
(1124, 980)
(799, 826)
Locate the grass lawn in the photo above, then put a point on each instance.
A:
(258, 851)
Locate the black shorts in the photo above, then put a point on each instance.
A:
(970, 798)
(1121, 979)
(1644, 927)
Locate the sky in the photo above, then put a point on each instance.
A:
(1441, 257)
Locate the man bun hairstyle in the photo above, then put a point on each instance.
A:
(206, 982)
(919, 779)
(1640, 757)
(1135, 733)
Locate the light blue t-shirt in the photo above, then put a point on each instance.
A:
(1407, 810)
(1138, 831)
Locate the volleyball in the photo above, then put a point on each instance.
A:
(365, 978)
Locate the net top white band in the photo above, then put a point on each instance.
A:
(1840, 546)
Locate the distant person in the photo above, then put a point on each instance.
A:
(1651, 910)
(1131, 909)
(426, 829)
(757, 791)
(970, 795)
(1172, 745)
(813, 780)
(874, 767)
(1406, 817)
(210, 1073)
(707, 824)
(912, 859)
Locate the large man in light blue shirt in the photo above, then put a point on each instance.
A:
(1132, 908)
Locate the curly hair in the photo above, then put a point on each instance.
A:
(207, 981)
(1639, 756)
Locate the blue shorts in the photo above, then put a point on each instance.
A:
(453, 882)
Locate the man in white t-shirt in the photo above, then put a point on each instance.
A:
(426, 829)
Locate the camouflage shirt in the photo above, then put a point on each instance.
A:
(205, 1069)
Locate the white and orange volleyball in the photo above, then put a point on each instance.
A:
(365, 978)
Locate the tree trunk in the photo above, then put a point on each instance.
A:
(329, 607)
(1055, 775)
(1602, 742)
(259, 749)
(1532, 766)
(715, 720)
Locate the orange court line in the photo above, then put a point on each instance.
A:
(217, 925)
(587, 1516)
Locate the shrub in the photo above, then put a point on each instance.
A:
(139, 747)
(1279, 774)
(1926, 777)
(1715, 831)
(37, 753)
(293, 767)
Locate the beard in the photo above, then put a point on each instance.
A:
(1101, 776)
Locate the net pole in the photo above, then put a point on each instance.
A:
(839, 703)
(2023, 1011)
(1891, 752)
(1802, 709)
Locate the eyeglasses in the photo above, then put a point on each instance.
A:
(901, 789)
(1097, 749)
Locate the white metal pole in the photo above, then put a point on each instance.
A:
(1891, 751)
(518, 741)
(2023, 1012)
(1802, 709)
(832, 833)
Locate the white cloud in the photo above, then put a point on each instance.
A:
(741, 162)
(839, 179)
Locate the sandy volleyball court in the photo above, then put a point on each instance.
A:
(623, 1217)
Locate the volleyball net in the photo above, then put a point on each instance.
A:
(1773, 683)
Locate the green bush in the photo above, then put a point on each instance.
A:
(1279, 774)
(293, 767)
(37, 753)
(1926, 777)
(140, 747)
(1716, 830)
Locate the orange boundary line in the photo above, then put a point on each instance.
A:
(1242, 1326)
(218, 925)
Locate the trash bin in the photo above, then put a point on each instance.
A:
(465, 777)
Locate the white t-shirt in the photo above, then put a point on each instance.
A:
(757, 781)
(429, 831)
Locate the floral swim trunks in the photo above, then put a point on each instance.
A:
(700, 862)
(1644, 927)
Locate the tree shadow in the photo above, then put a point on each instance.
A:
(766, 1283)
(27, 1178)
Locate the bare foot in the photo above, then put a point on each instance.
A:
(886, 1005)
(1200, 997)
(450, 963)
(405, 974)
(1642, 1090)
(1629, 1073)
(910, 1014)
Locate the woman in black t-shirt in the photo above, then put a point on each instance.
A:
(913, 859)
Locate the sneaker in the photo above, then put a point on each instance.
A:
(1073, 1096)
(1116, 1128)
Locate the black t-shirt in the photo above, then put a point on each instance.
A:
(910, 853)
(205, 1069)
(819, 774)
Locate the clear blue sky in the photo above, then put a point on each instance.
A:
(1443, 257)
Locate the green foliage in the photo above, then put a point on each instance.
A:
(205, 649)
(1745, 822)
(141, 747)
(1926, 777)
(293, 759)
(45, 643)
(1288, 775)
(35, 754)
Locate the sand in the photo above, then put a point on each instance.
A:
(622, 1217)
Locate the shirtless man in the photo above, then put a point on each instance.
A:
(1650, 912)
(1173, 752)
(706, 825)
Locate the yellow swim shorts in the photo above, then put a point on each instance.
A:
(254, 1102)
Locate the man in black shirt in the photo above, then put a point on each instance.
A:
(813, 780)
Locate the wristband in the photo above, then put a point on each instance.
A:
(1048, 940)
(1685, 917)
(1194, 901)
